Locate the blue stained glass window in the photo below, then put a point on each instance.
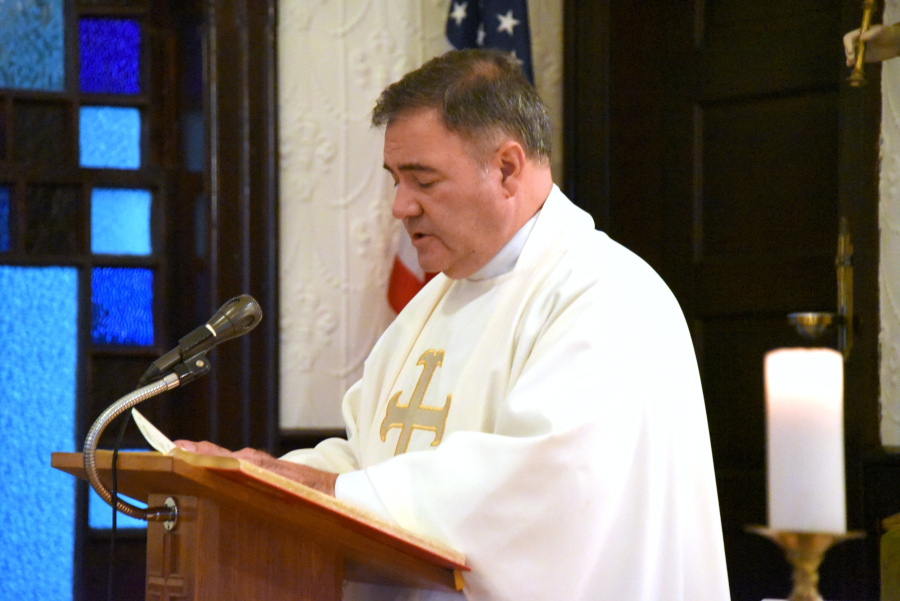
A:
(38, 345)
(4, 219)
(32, 45)
(122, 306)
(110, 137)
(100, 512)
(120, 221)
(110, 56)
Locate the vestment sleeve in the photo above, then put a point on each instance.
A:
(336, 455)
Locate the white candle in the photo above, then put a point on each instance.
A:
(805, 446)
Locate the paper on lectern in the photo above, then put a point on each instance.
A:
(246, 470)
(152, 435)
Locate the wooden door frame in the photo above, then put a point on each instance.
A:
(221, 240)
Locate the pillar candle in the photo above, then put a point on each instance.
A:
(805, 444)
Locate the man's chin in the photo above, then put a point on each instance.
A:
(430, 264)
(429, 270)
(446, 263)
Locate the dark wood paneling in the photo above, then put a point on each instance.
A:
(636, 87)
(733, 150)
(769, 176)
(752, 48)
(587, 96)
(764, 285)
(234, 249)
(243, 197)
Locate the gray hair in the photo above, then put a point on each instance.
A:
(478, 94)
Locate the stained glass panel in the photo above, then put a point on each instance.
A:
(42, 133)
(122, 306)
(100, 512)
(110, 56)
(110, 136)
(4, 218)
(53, 218)
(32, 45)
(38, 343)
(120, 221)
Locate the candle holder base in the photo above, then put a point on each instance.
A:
(805, 551)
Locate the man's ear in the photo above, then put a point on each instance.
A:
(511, 159)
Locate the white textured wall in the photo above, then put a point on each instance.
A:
(889, 222)
(545, 19)
(337, 233)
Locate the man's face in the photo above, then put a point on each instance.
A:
(456, 211)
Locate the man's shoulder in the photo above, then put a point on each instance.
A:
(603, 271)
(595, 254)
(568, 231)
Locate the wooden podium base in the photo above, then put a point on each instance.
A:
(218, 552)
(244, 534)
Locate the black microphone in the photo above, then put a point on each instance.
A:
(235, 318)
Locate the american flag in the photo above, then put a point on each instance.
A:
(501, 24)
(407, 278)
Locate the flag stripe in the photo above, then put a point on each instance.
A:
(404, 285)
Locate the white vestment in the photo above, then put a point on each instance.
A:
(574, 460)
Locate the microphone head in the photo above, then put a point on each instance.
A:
(235, 318)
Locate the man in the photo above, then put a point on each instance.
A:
(537, 406)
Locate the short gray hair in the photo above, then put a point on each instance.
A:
(477, 93)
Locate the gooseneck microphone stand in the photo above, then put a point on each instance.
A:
(191, 369)
(185, 363)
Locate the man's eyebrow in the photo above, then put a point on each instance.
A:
(413, 167)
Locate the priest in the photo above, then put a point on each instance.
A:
(537, 406)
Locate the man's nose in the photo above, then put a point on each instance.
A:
(405, 203)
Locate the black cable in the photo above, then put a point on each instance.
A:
(115, 498)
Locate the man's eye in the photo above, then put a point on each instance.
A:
(425, 185)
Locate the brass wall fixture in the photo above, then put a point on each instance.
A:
(813, 324)
(857, 78)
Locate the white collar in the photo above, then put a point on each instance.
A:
(504, 261)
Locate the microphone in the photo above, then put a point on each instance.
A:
(235, 318)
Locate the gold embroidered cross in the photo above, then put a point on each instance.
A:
(414, 414)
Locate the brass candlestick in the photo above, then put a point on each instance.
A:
(857, 78)
(804, 551)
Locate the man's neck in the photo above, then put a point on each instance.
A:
(505, 260)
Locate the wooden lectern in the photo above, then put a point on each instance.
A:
(245, 533)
